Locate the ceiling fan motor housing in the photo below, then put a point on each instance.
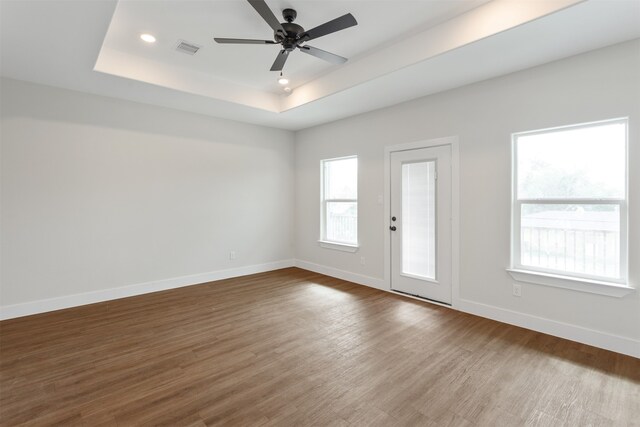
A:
(290, 40)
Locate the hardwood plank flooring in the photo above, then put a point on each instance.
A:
(292, 348)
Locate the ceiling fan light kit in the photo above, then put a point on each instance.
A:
(283, 80)
(292, 36)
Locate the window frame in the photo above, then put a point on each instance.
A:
(561, 278)
(324, 241)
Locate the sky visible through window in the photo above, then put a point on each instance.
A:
(586, 162)
(341, 179)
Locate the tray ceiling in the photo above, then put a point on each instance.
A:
(399, 51)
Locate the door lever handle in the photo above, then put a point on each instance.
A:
(392, 228)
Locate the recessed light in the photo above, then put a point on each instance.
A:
(148, 38)
(287, 89)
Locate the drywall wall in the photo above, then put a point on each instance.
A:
(598, 85)
(99, 193)
(102, 198)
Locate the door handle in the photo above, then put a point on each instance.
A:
(392, 228)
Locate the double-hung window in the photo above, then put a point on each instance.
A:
(569, 211)
(339, 216)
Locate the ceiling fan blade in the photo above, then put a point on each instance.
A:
(243, 41)
(278, 64)
(323, 54)
(345, 21)
(261, 7)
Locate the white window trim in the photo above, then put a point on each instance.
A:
(323, 241)
(573, 283)
(561, 279)
(344, 247)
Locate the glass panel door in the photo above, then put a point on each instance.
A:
(420, 222)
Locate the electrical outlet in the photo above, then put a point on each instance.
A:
(362, 260)
(232, 255)
(517, 290)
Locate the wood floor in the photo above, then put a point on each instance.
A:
(294, 348)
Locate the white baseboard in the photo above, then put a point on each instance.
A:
(43, 306)
(576, 333)
(568, 331)
(360, 279)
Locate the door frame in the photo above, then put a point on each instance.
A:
(455, 211)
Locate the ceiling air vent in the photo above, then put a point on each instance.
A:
(186, 47)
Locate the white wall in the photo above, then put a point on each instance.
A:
(598, 85)
(99, 193)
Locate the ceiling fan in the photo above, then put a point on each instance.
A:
(292, 36)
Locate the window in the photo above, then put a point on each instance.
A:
(340, 201)
(570, 202)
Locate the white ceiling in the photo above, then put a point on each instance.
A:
(379, 22)
(426, 47)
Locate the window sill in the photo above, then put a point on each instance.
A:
(566, 282)
(344, 247)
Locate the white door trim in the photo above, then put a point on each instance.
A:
(455, 209)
